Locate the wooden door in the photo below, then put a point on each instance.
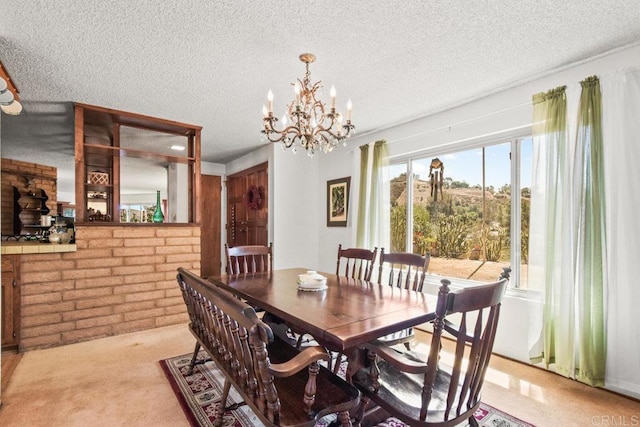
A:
(210, 236)
(247, 223)
(257, 215)
(236, 211)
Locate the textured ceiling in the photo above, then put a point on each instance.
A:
(212, 63)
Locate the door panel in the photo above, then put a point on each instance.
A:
(247, 226)
(257, 218)
(236, 211)
(210, 235)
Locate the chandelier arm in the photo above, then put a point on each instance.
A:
(288, 132)
(323, 136)
(269, 129)
(329, 129)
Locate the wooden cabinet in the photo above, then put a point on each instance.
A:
(100, 178)
(247, 207)
(10, 326)
(101, 181)
(111, 145)
(28, 207)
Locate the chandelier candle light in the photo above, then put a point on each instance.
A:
(305, 121)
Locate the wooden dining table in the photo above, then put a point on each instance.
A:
(345, 315)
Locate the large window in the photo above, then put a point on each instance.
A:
(460, 208)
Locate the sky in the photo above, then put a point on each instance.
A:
(467, 166)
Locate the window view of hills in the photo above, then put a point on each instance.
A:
(464, 226)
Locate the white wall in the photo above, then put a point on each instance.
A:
(507, 112)
(297, 208)
(495, 114)
(178, 199)
(341, 162)
(253, 158)
(217, 169)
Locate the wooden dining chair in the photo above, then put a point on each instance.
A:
(403, 269)
(357, 263)
(249, 259)
(407, 271)
(256, 259)
(421, 390)
(354, 263)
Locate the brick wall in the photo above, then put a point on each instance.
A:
(14, 173)
(121, 279)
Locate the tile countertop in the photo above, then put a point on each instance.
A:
(7, 248)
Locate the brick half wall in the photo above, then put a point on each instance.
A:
(120, 280)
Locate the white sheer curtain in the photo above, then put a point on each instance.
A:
(621, 135)
(590, 237)
(553, 252)
(551, 241)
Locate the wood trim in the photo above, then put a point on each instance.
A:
(105, 150)
(197, 190)
(115, 172)
(81, 173)
(210, 232)
(147, 122)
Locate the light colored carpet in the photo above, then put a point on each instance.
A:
(113, 381)
(117, 381)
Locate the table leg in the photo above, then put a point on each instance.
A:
(356, 358)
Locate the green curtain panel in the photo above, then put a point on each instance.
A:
(591, 236)
(376, 224)
(361, 227)
(551, 203)
(572, 257)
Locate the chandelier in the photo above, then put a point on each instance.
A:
(306, 121)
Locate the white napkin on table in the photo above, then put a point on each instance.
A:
(312, 280)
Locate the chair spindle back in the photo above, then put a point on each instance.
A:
(358, 262)
(405, 270)
(249, 258)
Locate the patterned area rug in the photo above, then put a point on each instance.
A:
(199, 393)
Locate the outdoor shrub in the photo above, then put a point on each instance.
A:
(453, 235)
(524, 246)
(495, 241)
(398, 228)
(524, 238)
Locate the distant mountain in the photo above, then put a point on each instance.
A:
(422, 194)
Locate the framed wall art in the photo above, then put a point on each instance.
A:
(338, 202)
